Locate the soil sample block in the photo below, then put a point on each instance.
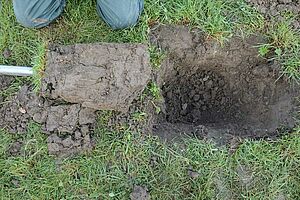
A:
(98, 76)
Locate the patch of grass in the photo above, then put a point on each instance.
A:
(38, 65)
(139, 116)
(156, 56)
(285, 42)
(123, 159)
(217, 18)
(154, 90)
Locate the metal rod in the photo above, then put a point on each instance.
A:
(16, 70)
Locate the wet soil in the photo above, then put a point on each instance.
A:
(217, 92)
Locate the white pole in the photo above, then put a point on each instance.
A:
(16, 70)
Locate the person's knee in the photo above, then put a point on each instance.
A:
(37, 13)
(120, 14)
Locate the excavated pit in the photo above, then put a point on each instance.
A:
(214, 91)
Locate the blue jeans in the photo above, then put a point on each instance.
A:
(117, 14)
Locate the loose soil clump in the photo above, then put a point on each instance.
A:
(98, 76)
(69, 126)
(215, 91)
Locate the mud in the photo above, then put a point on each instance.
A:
(97, 76)
(215, 92)
(277, 8)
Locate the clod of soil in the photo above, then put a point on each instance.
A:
(97, 76)
(72, 122)
(216, 91)
(15, 148)
(6, 53)
(139, 193)
(79, 79)
(13, 116)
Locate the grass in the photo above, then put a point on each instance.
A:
(285, 43)
(122, 159)
(220, 19)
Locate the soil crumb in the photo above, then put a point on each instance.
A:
(5, 82)
(98, 76)
(139, 193)
(69, 126)
(215, 92)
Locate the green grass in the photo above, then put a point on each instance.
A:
(122, 159)
(220, 19)
(285, 42)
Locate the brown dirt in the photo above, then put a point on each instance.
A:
(98, 76)
(276, 8)
(5, 81)
(69, 126)
(79, 80)
(139, 193)
(215, 92)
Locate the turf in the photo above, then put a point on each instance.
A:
(121, 159)
(257, 170)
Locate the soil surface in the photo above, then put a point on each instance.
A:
(139, 193)
(277, 8)
(69, 126)
(5, 82)
(216, 92)
(98, 76)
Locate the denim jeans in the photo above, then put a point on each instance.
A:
(39, 13)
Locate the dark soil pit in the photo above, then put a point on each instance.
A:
(217, 92)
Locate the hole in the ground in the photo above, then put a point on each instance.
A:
(201, 98)
(212, 90)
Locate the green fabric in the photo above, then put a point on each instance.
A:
(39, 13)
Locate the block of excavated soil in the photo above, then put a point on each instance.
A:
(98, 76)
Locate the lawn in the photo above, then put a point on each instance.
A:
(193, 169)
